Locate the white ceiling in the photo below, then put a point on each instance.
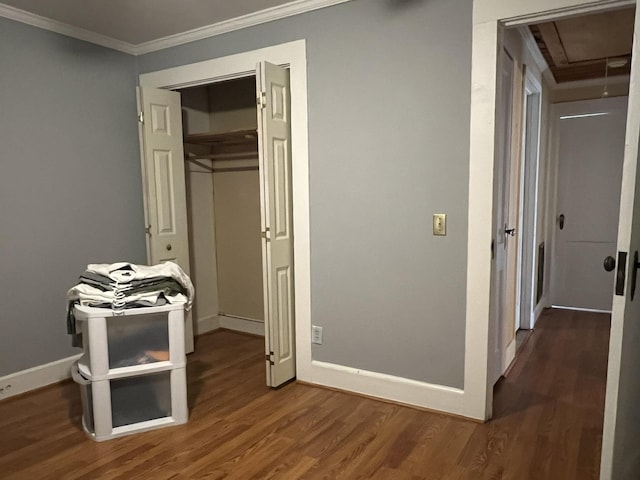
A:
(140, 21)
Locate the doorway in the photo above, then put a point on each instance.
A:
(590, 137)
(281, 184)
(219, 123)
(623, 388)
(582, 168)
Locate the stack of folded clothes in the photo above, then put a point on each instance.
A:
(125, 285)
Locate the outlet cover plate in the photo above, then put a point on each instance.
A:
(316, 335)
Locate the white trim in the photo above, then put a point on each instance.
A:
(565, 8)
(389, 387)
(245, 325)
(529, 205)
(238, 23)
(252, 19)
(36, 377)
(509, 355)
(62, 28)
(207, 324)
(488, 16)
(532, 47)
(537, 312)
(580, 309)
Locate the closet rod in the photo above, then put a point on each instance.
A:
(209, 169)
(235, 169)
(224, 170)
(195, 161)
(222, 156)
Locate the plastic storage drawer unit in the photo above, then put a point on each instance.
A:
(133, 341)
(121, 406)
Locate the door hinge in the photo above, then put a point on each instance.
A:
(265, 234)
(269, 358)
(141, 117)
(147, 230)
(262, 100)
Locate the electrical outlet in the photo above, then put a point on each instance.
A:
(316, 335)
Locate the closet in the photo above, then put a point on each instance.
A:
(219, 124)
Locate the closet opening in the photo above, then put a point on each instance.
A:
(219, 123)
(201, 210)
(239, 211)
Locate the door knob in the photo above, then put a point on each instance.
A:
(561, 221)
(169, 247)
(609, 263)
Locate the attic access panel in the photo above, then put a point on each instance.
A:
(577, 48)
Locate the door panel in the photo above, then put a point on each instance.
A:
(164, 182)
(620, 452)
(275, 166)
(590, 157)
(502, 195)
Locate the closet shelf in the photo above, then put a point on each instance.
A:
(225, 140)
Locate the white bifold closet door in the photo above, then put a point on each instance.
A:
(163, 176)
(274, 153)
(166, 212)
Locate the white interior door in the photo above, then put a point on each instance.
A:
(274, 152)
(501, 243)
(591, 139)
(620, 452)
(164, 182)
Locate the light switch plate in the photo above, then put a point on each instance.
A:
(439, 224)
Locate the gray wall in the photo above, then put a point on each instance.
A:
(70, 189)
(389, 102)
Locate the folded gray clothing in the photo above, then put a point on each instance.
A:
(125, 285)
(105, 284)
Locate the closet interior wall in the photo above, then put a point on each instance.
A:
(224, 201)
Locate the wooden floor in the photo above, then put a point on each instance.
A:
(547, 425)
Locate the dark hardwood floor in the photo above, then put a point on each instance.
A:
(547, 425)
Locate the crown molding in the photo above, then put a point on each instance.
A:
(45, 23)
(256, 18)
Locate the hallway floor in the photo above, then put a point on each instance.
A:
(547, 425)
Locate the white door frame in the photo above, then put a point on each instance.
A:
(489, 16)
(529, 172)
(293, 56)
(503, 251)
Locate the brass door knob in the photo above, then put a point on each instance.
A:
(169, 247)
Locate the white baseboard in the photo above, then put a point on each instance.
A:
(214, 322)
(388, 387)
(538, 311)
(580, 309)
(207, 324)
(245, 325)
(36, 377)
(509, 355)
